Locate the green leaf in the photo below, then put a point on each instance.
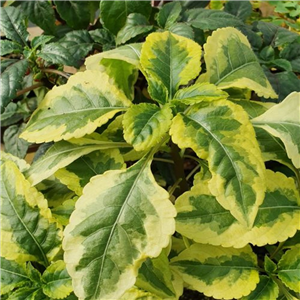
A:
(77, 174)
(114, 13)
(13, 25)
(60, 117)
(281, 64)
(292, 54)
(13, 144)
(40, 13)
(75, 13)
(171, 59)
(8, 47)
(269, 265)
(129, 53)
(135, 25)
(226, 67)
(23, 211)
(40, 40)
(104, 37)
(155, 276)
(145, 124)
(13, 275)
(199, 92)
(169, 14)
(63, 212)
(289, 269)
(266, 289)
(182, 29)
(130, 212)
(282, 121)
(216, 271)
(210, 19)
(62, 154)
(57, 283)
(28, 293)
(12, 81)
(240, 9)
(221, 133)
(201, 218)
(69, 50)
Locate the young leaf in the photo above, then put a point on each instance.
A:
(218, 272)
(171, 59)
(57, 283)
(221, 133)
(266, 289)
(282, 121)
(269, 265)
(60, 155)
(135, 25)
(210, 19)
(12, 80)
(13, 144)
(199, 92)
(40, 13)
(13, 275)
(77, 174)
(236, 64)
(8, 47)
(289, 269)
(69, 50)
(130, 212)
(60, 117)
(12, 24)
(75, 13)
(155, 276)
(201, 218)
(169, 14)
(23, 211)
(145, 124)
(114, 13)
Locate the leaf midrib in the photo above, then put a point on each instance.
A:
(13, 273)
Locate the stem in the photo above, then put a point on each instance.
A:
(178, 168)
(28, 89)
(174, 187)
(280, 246)
(192, 172)
(53, 71)
(283, 289)
(192, 157)
(169, 161)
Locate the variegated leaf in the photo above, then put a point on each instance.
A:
(221, 133)
(28, 230)
(57, 283)
(201, 218)
(13, 275)
(172, 59)
(129, 53)
(230, 62)
(283, 121)
(218, 272)
(21, 163)
(145, 124)
(199, 92)
(135, 293)
(155, 276)
(76, 175)
(289, 269)
(28, 293)
(266, 289)
(63, 212)
(75, 109)
(129, 212)
(62, 154)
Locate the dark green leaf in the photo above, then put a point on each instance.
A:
(11, 81)
(240, 9)
(189, 4)
(40, 13)
(114, 13)
(253, 37)
(183, 30)
(282, 64)
(103, 37)
(68, 50)
(7, 47)
(75, 13)
(292, 54)
(210, 19)
(267, 53)
(169, 14)
(6, 63)
(13, 144)
(275, 35)
(269, 265)
(283, 83)
(41, 40)
(12, 24)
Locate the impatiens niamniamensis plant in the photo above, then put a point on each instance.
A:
(109, 211)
